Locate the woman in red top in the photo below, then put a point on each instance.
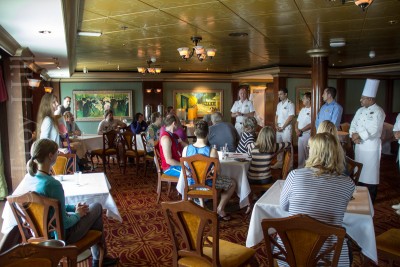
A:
(171, 148)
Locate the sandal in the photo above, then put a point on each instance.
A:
(224, 218)
(248, 210)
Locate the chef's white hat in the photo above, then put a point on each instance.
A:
(370, 88)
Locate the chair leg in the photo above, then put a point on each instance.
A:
(137, 165)
(145, 168)
(158, 190)
(169, 188)
(104, 158)
(125, 163)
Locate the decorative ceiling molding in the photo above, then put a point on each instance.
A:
(7, 42)
(381, 69)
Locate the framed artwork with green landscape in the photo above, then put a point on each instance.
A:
(90, 105)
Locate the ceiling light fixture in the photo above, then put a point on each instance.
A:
(92, 34)
(34, 83)
(363, 4)
(149, 69)
(337, 42)
(200, 52)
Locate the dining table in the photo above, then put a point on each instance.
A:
(86, 188)
(235, 166)
(358, 218)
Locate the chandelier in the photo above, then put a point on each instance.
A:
(149, 69)
(199, 50)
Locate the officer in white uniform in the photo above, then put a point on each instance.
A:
(242, 109)
(283, 123)
(396, 133)
(365, 131)
(303, 129)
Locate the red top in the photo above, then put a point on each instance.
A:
(176, 149)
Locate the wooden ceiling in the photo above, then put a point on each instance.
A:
(279, 33)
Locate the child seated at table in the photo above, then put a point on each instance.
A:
(77, 220)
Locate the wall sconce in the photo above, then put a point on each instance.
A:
(34, 83)
(48, 90)
(150, 90)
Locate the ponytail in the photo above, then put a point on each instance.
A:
(32, 167)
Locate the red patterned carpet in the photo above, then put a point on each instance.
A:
(142, 239)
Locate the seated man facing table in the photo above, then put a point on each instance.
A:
(72, 127)
(171, 147)
(109, 123)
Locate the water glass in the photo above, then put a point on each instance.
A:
(78, 177)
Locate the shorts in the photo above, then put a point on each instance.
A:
(173, 171)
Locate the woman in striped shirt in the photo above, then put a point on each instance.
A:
(320, 190)
(265, 149)
(246, 143)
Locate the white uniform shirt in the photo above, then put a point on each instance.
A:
(396, 126)
(304, 118)
(242, 107)
(368, 123)
(284, 110)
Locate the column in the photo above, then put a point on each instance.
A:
(319, 79)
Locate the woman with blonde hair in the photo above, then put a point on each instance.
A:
(328, 127)
(265, 149)
(77, 220)
(320, 190)
(47, 125)
(246, 143)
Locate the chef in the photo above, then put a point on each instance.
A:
(365, 132)
(242, 109)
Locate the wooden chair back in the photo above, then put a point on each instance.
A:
(354, 169)
(144, 141)
(192, 229)
(65, 164)
(157, 159)
(287, 155)
(37, 255)
(302, 241)
(200, 168)
(129, 141)
(39, 218)
(110, 140)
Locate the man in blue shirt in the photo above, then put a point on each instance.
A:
(331, 110)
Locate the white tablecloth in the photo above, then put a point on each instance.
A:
(235, 170)
(94, 187)
(357, 219)
(92, 141)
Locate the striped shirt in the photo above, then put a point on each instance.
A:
(260, 166)
(324, 198)
(246, 143)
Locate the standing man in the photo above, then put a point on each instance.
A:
(365, 131)
(331, 110)
(242, 109)
(303, 129)
(283, 123)
(396, 133)
(66, 105)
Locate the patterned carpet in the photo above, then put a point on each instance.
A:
(142, 239)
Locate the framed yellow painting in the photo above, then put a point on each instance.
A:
(204, 101)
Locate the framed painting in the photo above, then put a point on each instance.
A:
(90, 105)
(300, 91)
(204, 101)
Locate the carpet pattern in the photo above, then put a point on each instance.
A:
(142, 239)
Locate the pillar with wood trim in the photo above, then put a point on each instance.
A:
(319, 79)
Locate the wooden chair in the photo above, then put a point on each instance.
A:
(36, 255)
(161, 176)
(65, 164)
(194, 232)
(110, 147)
(302, 238)
(258, 188)
(388, 245)
(39, 218)
(200, 168)
(130, 149)
(354, 169)
(147, 158)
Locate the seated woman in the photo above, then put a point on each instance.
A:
(320, 190)
(77, 220)
(179, 131)
(153, 132)
(265, 149)
(226, 184)
(246, 143)
(138, 125)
